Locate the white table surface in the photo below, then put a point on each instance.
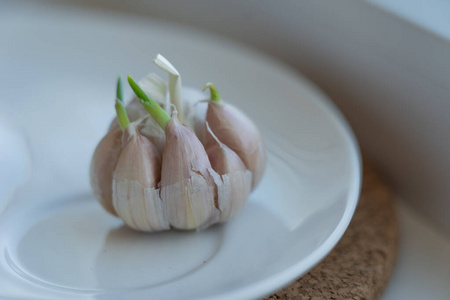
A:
(423, 265)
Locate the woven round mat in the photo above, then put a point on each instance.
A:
(360, 265)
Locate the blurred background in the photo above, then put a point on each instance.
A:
(385, 64)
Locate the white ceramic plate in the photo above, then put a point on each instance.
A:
(55, 240)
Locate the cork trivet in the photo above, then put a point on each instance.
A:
(360, 265)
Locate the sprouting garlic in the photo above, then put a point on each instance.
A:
(159, 172)
(234, 129)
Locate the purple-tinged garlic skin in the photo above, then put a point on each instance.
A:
(234, 129)
(233, 180)
(187, 186)
(102, 168)
(107, 153)
(135, 193)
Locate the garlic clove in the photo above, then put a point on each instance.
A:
(102, 168)
(223, 160)
(190, 203)
(187, 186)
(234, 129)
(233, 180)
(135, 195)
(233, 190)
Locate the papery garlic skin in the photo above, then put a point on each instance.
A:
(148, 127)
(187, 186)
(233, 190)
(135, 194)
(102, 168)
(234, 129)
(107, 153)
(232, 179)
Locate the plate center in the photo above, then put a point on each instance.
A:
(80, 247)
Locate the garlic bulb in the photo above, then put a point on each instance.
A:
(169, 163)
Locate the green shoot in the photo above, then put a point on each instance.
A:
(122, 115)
(119, 93)
(159, 114)
(120, 108)
(215, 96)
